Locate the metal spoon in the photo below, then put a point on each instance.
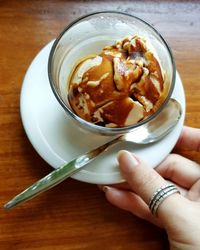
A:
(153, 131)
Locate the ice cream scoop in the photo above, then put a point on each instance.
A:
(121, 86)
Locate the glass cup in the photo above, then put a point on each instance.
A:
(89, 35)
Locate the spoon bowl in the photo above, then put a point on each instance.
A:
(157, 128)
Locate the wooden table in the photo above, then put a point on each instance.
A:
(75, 215)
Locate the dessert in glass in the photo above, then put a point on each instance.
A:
(111, 72)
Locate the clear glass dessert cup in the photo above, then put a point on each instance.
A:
(89, 35)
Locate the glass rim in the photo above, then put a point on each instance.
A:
(88, 124)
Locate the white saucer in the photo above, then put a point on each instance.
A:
(58, 140)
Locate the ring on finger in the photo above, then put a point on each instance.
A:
(160, 195)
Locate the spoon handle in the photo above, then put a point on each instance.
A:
(58, 175)
(65, 171)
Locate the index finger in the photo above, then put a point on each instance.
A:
(189, 139)
(145, 181)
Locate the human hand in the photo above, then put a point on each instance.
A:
(178, 214)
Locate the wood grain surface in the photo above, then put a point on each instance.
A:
(75, 215)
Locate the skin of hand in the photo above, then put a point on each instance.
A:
(178, 214)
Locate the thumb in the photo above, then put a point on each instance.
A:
(145, 181)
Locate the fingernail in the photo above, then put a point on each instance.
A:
(105, 188)
(127, 161)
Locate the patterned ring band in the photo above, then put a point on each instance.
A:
(156, 194)
(160, 195)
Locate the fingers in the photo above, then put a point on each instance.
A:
(175, 213)
(145, 181)
(131, 202)
(189, 139)
(180, 170)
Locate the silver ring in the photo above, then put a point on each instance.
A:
(160, 195)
